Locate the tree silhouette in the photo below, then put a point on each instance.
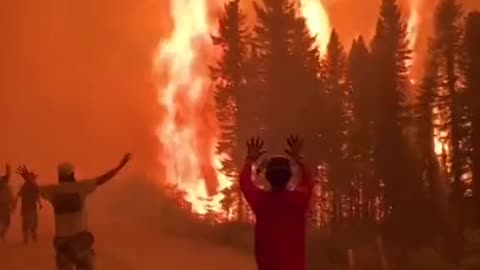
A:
(452, 117)
(394, 160)
(433, 174)
(229, 76)
(370, 129)
(472, 84)
(425, 108)
(288, 66)
(335, 130)
(447, 42)
(359, 75)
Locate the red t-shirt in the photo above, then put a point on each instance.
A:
(281, 219)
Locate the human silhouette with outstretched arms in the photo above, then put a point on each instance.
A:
(281, 213)
(73, 241)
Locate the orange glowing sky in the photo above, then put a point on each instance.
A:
(76, 80)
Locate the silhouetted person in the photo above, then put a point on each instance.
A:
(6, 203)
(29, 197)
(281, 214)
(73, 241)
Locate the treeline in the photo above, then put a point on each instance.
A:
(369, 129)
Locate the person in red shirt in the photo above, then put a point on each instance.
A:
(281, 213)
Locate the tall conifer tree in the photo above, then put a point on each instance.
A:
(289, 67)
(471, 77)
(335, 131)
(359, 75)
(393, 156)
(229, 76)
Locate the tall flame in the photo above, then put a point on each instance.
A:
(412, 27)
(187, 133)
(413, 22)
(317, 21)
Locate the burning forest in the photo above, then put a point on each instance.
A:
(390, 119)
(384, 93)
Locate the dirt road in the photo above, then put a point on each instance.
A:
(127, 242)
(128, 247)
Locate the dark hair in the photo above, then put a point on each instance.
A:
(278, 173)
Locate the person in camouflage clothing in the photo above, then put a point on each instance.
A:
(73, 241)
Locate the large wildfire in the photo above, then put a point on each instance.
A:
(187, 133)
(317, 21)
(412, 30)
(188, 130)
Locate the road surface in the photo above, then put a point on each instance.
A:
(129, 242)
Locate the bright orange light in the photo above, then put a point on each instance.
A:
(317, 21)
(188, 132)
(412, 27)
(413, 22)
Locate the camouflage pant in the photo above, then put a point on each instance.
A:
(75, 252)
(85, 262)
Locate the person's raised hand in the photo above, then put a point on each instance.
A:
(7, 173)
(26, 174)
(294, 147)
(255, 148)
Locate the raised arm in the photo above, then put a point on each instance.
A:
(31, 177)
(27, 175)
(7, 172)
(249, 189)
(304, 189)
(104, 178)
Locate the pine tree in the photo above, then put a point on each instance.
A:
(393, 158)
(426, 116)
(359, 75)
(229, 76)
(453, 116)
(447, 42)
(254, 99)
(273, 29)
(472, 84)
(308, 86)
(426, 102)
(288, 67)
(352, 196)
(309, 98)
(335, 131)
